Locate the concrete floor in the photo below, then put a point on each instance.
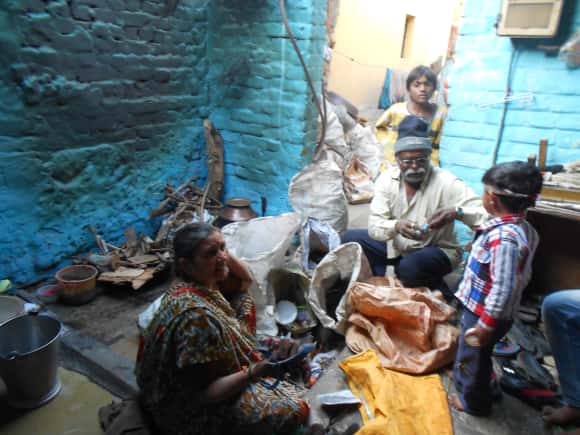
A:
(72, 411)
(102, 342)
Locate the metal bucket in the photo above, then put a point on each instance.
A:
(28, 360)
(10, 307)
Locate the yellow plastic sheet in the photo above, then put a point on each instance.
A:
(395, 403)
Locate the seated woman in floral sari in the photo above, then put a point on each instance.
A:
(198, 368)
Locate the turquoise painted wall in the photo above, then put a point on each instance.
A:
(102, 102)
(550, 92)
(261, 102)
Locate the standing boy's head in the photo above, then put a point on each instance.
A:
(511, 187)
(421, 83)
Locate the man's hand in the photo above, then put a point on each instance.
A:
(409, 229)
(442, 217)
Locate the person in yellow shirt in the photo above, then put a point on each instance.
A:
(421, 84)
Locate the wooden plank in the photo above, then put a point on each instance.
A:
(215, 160)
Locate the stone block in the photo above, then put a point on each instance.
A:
(137, 47)
(131, 32)
(133, 5)
(477, 25)
(82, 12)
(527, 135)
(77, 42)
(58, 9)
(265, 144)
(509, 151)
(471, 129)
(108, 16)
(153, 7)
(137, 19)
(556, 103)
(489, 9)
(537, 80)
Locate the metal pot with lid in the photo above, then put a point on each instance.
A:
(236, 210)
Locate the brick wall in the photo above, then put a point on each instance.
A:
(102, 101)
(550, 107)
(263, 107)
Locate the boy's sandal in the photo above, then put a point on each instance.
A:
(515, 384)
(505, 348)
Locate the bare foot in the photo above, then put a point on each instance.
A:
(561, 416)
(455, 403)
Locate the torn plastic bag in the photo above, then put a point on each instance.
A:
(318, 239)
(335, 145)
(317, 192)
(358, 184)
(291, 284)
(262, 244)
(364, 143)
(337, 271)
(407, 327)
(146, 316)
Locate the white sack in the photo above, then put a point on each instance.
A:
(317, 192)
(345, 262)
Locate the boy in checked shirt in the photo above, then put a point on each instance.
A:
(498, 269)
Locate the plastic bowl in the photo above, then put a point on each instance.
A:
(286, 312)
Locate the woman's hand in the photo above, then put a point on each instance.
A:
(239, 278)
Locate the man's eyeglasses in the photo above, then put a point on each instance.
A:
(420, 161)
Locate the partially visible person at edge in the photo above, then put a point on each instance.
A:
(421, 84)
(498, 269)
(408, 196)
(198, 368)
(561, 314)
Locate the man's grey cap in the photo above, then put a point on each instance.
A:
(413, 143)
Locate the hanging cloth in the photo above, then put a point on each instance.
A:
(385, 99)
(395, 403)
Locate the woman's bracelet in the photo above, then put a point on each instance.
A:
(251, 373)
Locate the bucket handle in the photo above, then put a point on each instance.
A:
(11, 356)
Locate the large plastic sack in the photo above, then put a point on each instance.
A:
(358, 183)
(365, 144)
(407, 327)
(262, 244)
(317, 192)
(335, 145)
(331, 279)
(318, 239)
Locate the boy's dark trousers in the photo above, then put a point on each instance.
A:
(473, 367)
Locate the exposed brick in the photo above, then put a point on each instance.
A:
(82, 12)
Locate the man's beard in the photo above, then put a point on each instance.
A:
(414, 177)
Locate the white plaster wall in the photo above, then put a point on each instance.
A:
(371, 32)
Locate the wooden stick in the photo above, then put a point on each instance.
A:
(100, 242)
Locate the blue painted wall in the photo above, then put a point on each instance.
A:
(102, 102)
(477, 84)
(260, 99)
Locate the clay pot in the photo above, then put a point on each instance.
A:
(236, 210)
